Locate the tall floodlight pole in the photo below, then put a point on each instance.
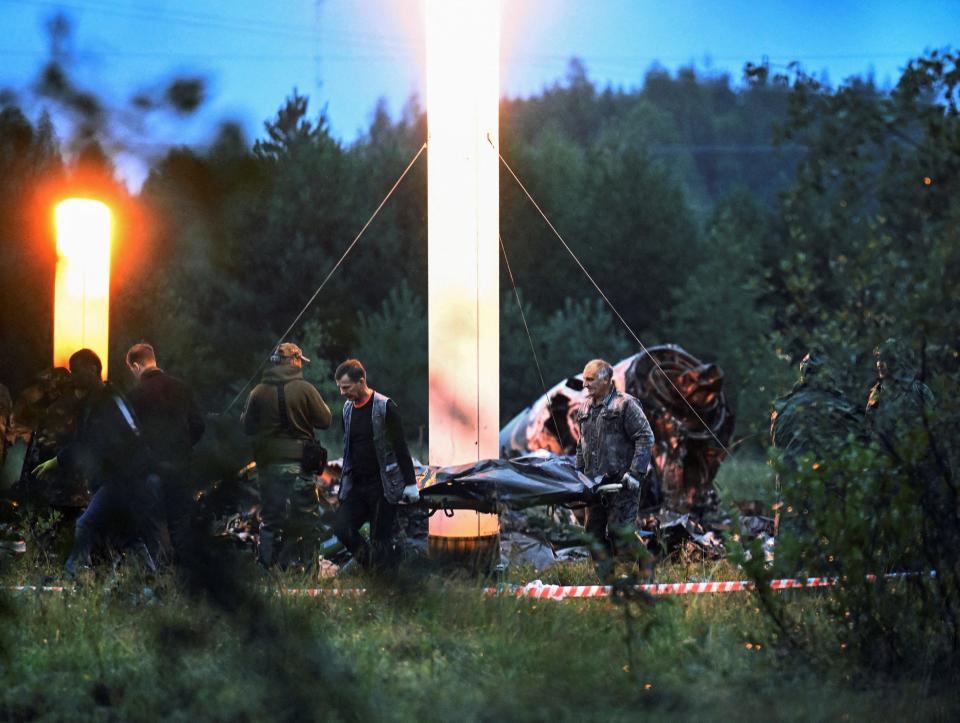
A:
(81, 315)
(463, 247)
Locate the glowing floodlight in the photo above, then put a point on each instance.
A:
(81, 308)
(462, 227)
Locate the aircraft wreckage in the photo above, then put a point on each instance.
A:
(536, 465)
(688, 434)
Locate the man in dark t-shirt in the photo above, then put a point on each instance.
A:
(377, 468)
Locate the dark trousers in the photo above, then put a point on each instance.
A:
(365, 503)
(607, 521)
(117, 515)
(171, 520)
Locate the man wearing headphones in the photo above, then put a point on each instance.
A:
(281, 413)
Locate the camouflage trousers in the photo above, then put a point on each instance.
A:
(288, 513)
(613, 524)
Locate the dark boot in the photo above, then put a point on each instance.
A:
(265, 550)
(79, 557)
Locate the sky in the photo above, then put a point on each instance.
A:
(347, 54)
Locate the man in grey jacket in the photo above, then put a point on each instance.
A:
(615, 443)
(281, 413)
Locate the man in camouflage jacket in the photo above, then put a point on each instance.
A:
(615, 441)
(815, 417)
(898, 400)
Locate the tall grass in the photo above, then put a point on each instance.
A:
(130, 646)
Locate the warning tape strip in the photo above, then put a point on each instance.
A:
(561, 592)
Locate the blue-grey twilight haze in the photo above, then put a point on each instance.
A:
(346, 54)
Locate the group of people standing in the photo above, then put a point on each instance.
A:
(136, 450)
(281, 414)
(378, 474)
(816, 417)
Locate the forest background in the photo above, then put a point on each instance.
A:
(746, 221)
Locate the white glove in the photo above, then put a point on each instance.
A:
(410, 495)
(630, 482)
(608, 488)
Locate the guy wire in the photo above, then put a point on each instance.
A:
(610, 304)
(324, 283)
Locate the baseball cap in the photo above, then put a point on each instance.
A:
(288, 350)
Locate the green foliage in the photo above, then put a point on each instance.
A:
(719, 315)
(392, 344)
(871, 216)
(44, 530)
(857, 515)
(745, 478)
(870, 221)
(564, 341)
(29, 159)
(880, 515)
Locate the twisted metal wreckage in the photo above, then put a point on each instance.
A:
(537, 467)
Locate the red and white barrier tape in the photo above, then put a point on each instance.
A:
(540, 591)
(326, 591)
(562, 592)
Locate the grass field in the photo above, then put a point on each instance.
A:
(226, 642)
(423, 646)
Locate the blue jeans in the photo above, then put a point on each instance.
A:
(118, 514)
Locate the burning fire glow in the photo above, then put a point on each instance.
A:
(81, 308)
(463, 248)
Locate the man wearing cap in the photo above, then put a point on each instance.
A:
(615, 443)
(377, 469)
(281, 413)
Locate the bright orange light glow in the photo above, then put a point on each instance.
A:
(81, 308)
(463, 248)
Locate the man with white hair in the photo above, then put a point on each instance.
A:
(615, 443)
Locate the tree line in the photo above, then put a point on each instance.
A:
(746, 222)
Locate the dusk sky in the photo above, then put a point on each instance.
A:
(346, 54)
